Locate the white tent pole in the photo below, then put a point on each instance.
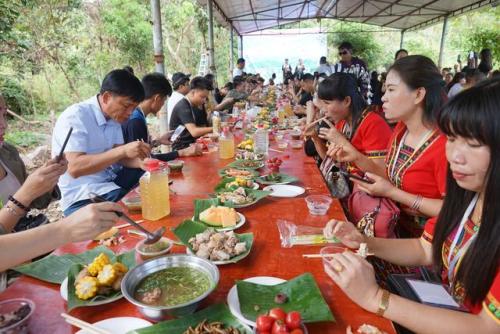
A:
(402, 38)
(443, 40)
(231, 49)
(157, 37)
(241, 46)
(211, 37)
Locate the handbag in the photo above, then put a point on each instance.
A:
(374, 216)
(337, 183)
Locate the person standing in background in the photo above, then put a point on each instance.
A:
(240, 66)
(180, 83)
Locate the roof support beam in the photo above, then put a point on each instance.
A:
(267, 10)
(361, 3)
(211, 49)
(402, 39)
(411, 12)
(443, 39)
(253, 13)
(157, 37)
(381, 11)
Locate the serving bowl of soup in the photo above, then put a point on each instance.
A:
(170, 286)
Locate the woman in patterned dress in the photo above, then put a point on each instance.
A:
(463, 242)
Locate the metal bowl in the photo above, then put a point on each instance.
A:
(157, 313)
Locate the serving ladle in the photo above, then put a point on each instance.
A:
(151, 238)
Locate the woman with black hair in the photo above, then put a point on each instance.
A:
(456, 84)
(486, 64)
(415, 167)
(463, 242)
(355, 126)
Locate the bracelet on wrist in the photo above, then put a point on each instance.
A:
(384, 303)
(18, 204)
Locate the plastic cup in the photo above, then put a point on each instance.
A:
(282, 144)
(318, 205)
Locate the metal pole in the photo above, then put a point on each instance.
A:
(211, 37)
(402, 38)
(241, 46)
(443, 40)
(231, 50)
(157, 37)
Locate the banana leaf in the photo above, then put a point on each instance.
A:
(256, 195)
(201, 205)
(222, 185)
(127, 259)
(281, 179)
(54, 268)
(246, 164)
(217, 312)
(188, 229)
(303, 296)
(222, 172)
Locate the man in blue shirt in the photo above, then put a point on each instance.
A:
(96, 150)
(156, 89)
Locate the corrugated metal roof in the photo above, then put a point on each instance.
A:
(248, 16)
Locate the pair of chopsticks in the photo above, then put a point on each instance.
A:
(83, 325)
(314, 256)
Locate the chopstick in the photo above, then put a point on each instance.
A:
(315, 256)
(83, 325)
(275, 150)
(125, 225)
(310, 125)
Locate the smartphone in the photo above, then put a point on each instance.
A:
(471, 55)
(356, 177)
(60, 155)
(177, 133)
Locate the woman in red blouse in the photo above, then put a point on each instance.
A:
(415, 167)
(354, 125)
(463, 242)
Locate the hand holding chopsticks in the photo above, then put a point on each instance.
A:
(83, 325)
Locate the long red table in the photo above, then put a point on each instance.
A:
(267, 257)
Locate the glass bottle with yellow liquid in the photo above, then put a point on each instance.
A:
(155, 194)
(226, 144)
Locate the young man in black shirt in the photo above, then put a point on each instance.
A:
(307, 91)
(184, 114)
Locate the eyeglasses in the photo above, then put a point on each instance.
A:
(341, 53)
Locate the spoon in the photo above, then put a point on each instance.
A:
(151, 238)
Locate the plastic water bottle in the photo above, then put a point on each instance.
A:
(261, 140)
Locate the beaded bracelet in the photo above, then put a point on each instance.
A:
(18, 204)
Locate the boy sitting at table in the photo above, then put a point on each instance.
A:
(96, 150)
(156, 90)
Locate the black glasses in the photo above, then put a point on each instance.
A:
(341, 53)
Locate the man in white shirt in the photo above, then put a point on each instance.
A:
(324, 67)
(96, 150)
(240, 66)
(180, 84)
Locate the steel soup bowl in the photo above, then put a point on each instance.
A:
(157, 313)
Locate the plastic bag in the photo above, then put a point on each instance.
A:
(292, 234)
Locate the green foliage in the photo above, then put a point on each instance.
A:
(17, 97)
(484, 39)
(23, 138)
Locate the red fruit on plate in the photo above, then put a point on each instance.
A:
(265, 323)
(278, 314)
(279, 327)
(293, 320)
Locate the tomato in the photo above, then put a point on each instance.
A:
(293, 320)
(297, 331)
(278, 314)
(279, 327)
(264, 323)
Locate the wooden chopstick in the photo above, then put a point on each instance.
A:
(314, 256)
(275, 150)
(310, 125)
(126, 225)
(83, 324)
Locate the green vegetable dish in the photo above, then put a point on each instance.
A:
(172, 286)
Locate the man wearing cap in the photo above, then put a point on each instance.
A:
(240, 66)
(180, 83)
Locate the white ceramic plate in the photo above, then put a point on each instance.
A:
(284, 190)
(240, 223)
(234, 303)
(119, 325)
(64, 294)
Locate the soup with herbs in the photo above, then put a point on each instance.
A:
(172, 286)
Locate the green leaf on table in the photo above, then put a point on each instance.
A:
(303, 296)
(278, 179)
(54, 268)
(246, 164)
(189, 229)
(214, 313)
(127, 258)
(201, 205)
(256, 196)
(222, 186)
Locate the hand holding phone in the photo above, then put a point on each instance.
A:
(357, 177)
